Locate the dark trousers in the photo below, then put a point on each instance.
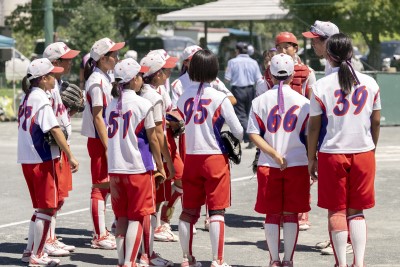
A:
(244, 96)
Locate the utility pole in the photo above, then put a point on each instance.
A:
(48, 22)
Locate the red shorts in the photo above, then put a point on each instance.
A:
(164, 191)
(346, 181)
(206, 178)
(279, 191)
(98, 163)
(41, 179)
(64, 182)
(132, 195)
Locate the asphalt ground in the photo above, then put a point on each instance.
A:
(245, 241)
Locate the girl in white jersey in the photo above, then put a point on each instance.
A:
(160, 65)
(344, 128)
(103, 57)
(277, 124)
(60, 55)
(40, 161)
(132, 146)
(206, 174)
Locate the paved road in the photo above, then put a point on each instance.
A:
(245, 242)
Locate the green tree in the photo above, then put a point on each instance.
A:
(374, 19)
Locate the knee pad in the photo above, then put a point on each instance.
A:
(190, 215)
(216, 212)
(337, 220)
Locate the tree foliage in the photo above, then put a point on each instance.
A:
(372, 18)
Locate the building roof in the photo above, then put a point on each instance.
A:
(229, 10)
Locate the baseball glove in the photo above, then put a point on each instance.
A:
(254, 164)
(49, 138)
(72, 97)
(176, 123)
(232, 146)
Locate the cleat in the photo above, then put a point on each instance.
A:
(26, 255)
(304, 226)
(155, 260)
(287, 264)
(51, 249)
(43, 260)
(163, 233)
(64, 246)
(106, 242)
(216, 264)
(275, 264)
(192, 263)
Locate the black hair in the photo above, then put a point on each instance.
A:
(340, 50)
(27, 85)
(203, 66)
(242, 47)
(89, 68)
(149, 79)
(184, 69)
(281, 78)
(115, 90)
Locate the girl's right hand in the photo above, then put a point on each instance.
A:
(281, 161)
(74, 164)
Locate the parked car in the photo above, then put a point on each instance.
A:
(174, 45)
(16, 67)
(390, 55)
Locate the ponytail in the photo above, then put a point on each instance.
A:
(89, 68)
(340, 51)
(346, 79)
(115, 91)
(27, 85)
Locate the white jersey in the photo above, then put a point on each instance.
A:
(179, 85)
(35, 118)
(262, 86)
(284, 132)
(346, 121)
(167, 102)
(98, 94)
(203, 126)
(128, 147)
(149, 92)
(60, 110)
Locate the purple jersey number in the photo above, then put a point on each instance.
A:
(113, 123)
(274, 119)
(359, 99)
(201, 112)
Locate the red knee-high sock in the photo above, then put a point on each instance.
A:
(290, 234)
(97, 210)
(42, 225)
(147, 229)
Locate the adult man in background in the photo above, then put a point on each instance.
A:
(242, 73)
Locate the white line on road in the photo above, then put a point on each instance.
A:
(86, 209)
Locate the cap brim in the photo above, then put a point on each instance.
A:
(144, 69)
(57, 70)
(117, 46)
(71, 54)
(170, 62)
(310, 35)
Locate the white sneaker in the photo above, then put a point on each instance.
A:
(164, 233)
(216, 264)
(105, 242)
(329, 250)
(51, 248)
(323, 244)
(192, 263)
(26, 255)
(43, 260)
(155, 260)
(207, 224)
(194, 229)
(64, 246)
